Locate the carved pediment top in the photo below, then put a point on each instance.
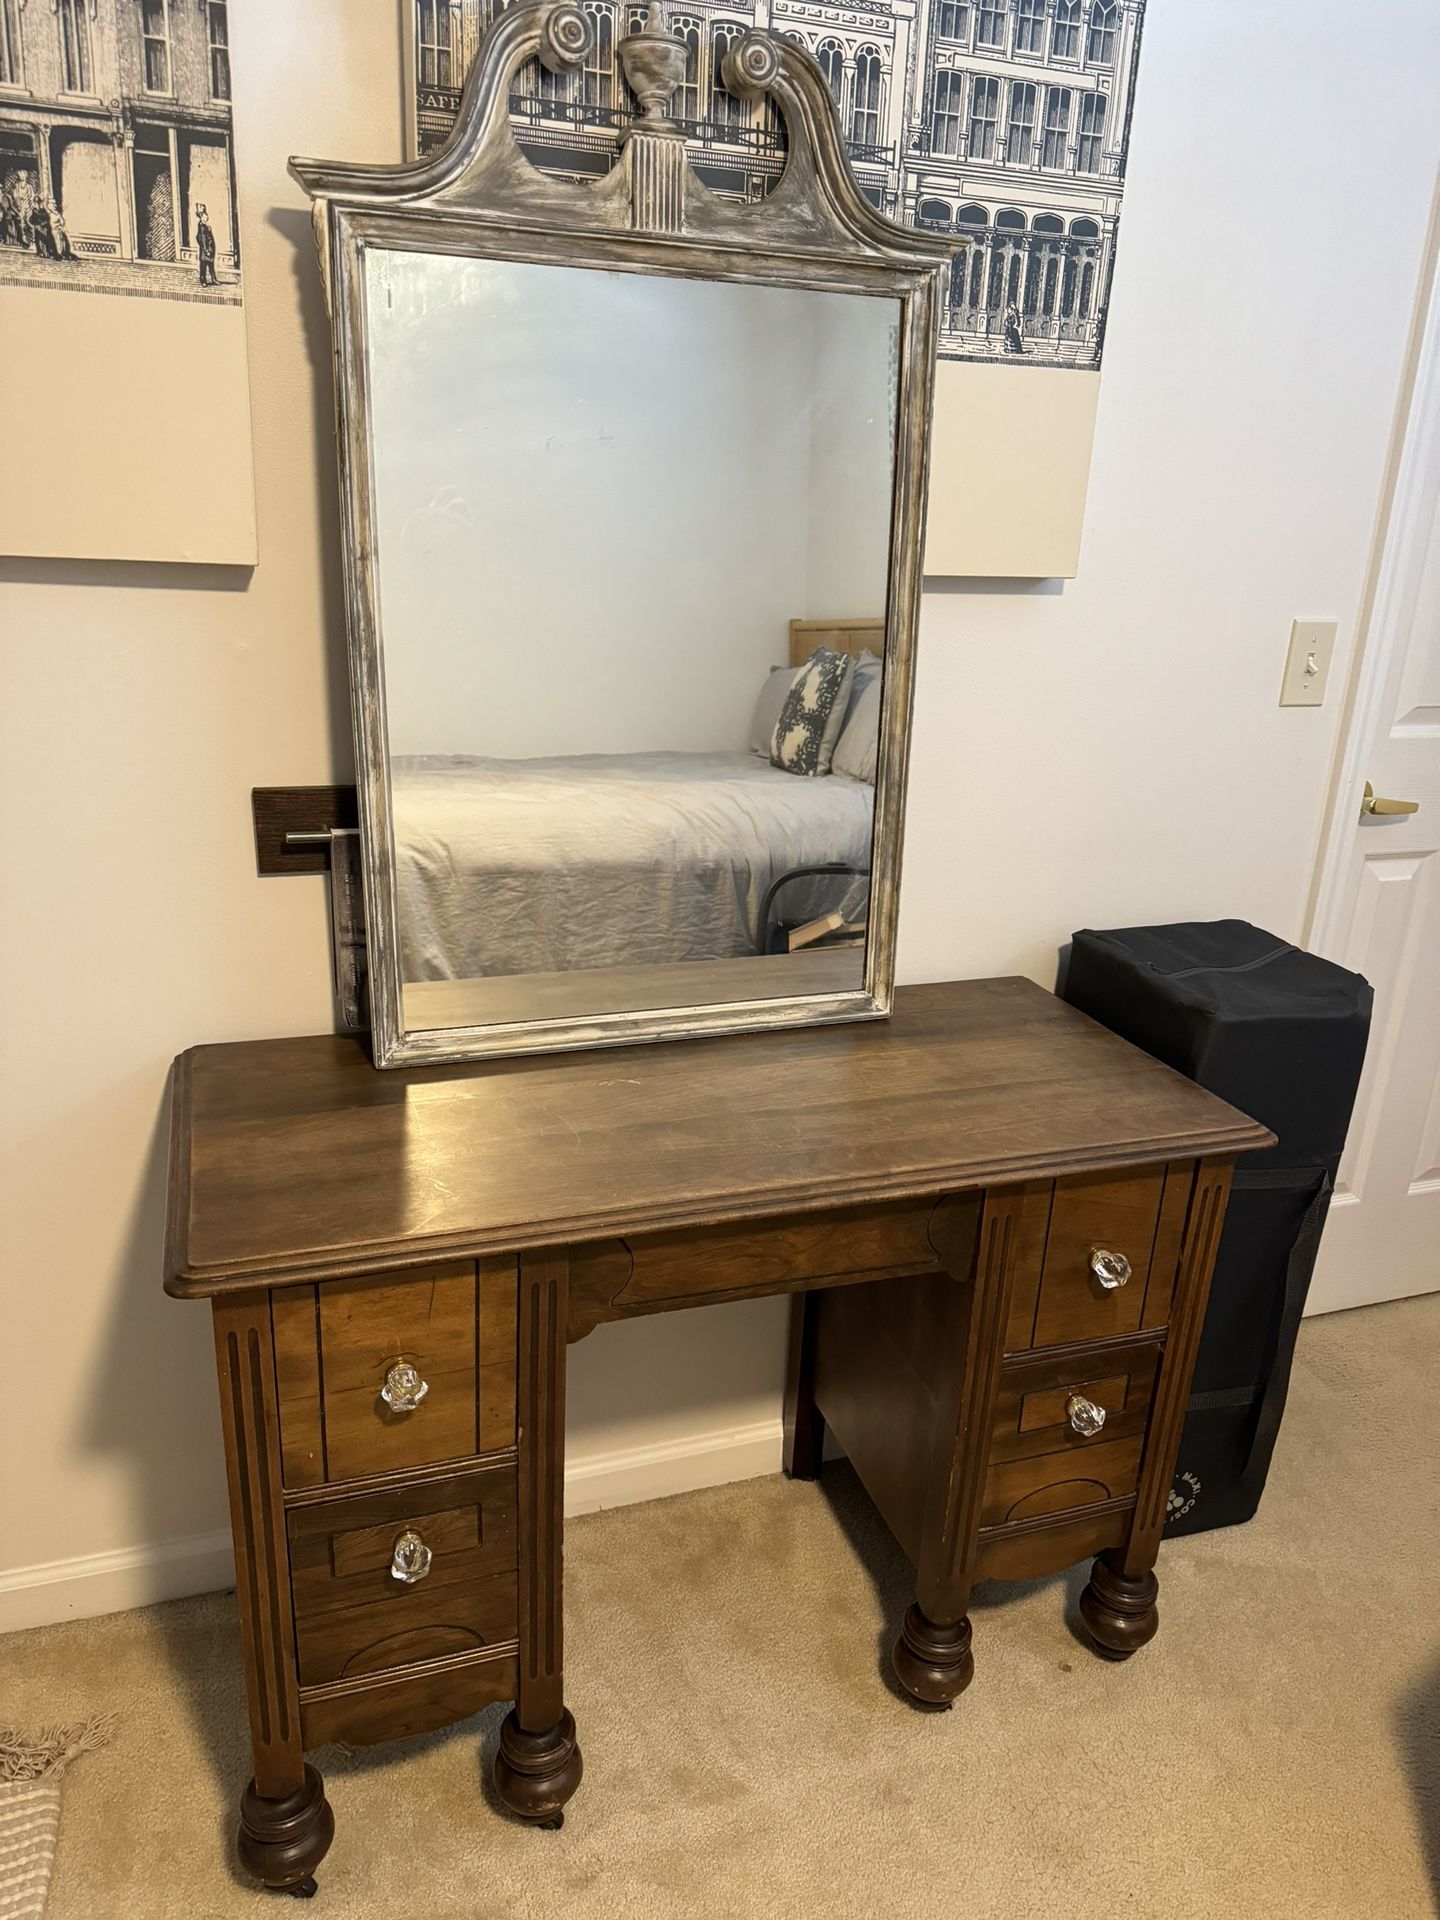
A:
(480, 175)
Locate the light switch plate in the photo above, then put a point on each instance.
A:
(1307, 664)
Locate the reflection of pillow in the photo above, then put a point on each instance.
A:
(867, 668)
(813, 714)
(857, 748)
(767, 708)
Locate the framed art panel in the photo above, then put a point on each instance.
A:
(124, 375)
(1005, 124)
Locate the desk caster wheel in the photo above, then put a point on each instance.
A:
(536, 1773)
(280, 1839)
(1119, 1610)
(933, 1664)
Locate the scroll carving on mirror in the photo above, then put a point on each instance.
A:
(632, 486)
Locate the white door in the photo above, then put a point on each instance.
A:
(1378, 906)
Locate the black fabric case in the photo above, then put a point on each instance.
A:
(1280, 1034)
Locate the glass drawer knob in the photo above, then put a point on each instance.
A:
(1110, 1269)
(403, 1389)
(1085, 1416)
(411, 1558)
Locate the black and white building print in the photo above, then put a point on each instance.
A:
(1005, 123)
(116, 167)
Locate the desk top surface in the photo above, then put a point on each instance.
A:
(297, 1160)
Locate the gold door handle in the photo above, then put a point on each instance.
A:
(1377, 803)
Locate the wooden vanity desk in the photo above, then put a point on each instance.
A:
(999, 1222)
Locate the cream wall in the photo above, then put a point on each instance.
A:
(1106, 753)
(851, 482)
(567, 403)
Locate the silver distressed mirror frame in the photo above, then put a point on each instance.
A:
(480, 197)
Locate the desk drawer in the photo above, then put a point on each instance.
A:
(346, 1413)
(454, 1535)
(1048, 1455)
(724, 1262)
(1103, 1261)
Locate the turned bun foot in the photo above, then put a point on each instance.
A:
(283, 1841)
(1119, 1610)
(933, 1664)
(536, 1773)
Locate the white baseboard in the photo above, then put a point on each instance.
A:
(96, 1583)
(682, 1465)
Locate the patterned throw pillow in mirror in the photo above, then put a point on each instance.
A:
(778, 683)
(813, 714)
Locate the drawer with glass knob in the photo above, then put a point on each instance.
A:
(1098, 1256)
(402, 1370)
(1068, 1431)
(404, 1575)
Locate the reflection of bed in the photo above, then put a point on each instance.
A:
(609, 860)
(602, 859)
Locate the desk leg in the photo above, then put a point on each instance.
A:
(1118, 1604)
(932, 1658)
(538, 1765)
(804, 1424)
(286, 1825)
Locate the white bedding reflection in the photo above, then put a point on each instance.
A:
(598, 860)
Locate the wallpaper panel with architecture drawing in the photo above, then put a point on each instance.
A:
(120, 253)
(1004, 123)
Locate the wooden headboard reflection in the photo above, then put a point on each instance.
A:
(846, 636)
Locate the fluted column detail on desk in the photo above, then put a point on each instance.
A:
(932, 1657)
(262, 1570)
(538, 1765)
(947, 1568)
(1199, 1247)
(543, 1308)
(285, 1821)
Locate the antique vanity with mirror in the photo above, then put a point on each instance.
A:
(622, 460)
(632, 483)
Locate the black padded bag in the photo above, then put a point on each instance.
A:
(1280, 1034)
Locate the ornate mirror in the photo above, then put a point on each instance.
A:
(632, 484)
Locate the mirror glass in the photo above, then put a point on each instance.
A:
(632, 545)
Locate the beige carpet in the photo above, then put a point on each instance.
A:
(1276, 1752)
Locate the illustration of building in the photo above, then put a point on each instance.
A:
(1020, 146)
(1006, 123)
(115, 145)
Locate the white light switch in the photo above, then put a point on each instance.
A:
(1307, 665)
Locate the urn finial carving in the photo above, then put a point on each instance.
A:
(654, 63)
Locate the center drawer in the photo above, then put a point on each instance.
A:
(381, 1580)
